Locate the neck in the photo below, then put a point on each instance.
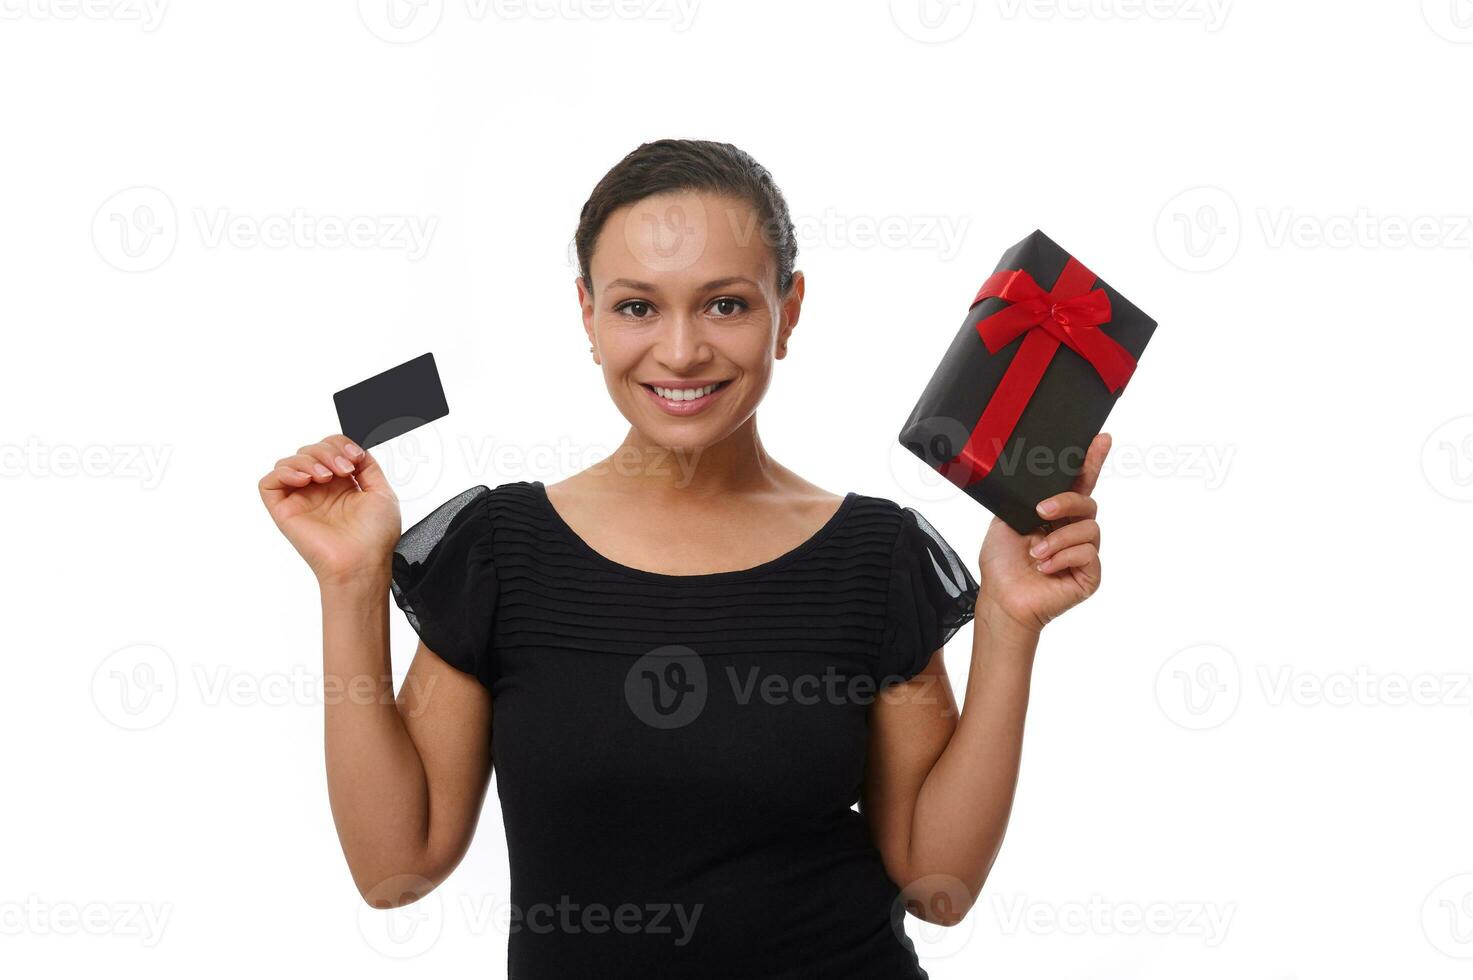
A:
(736, 464)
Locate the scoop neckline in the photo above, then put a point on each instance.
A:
(812, 541)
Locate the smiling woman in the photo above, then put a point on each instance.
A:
(687, 676)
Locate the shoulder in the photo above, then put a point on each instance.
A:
(471, 513)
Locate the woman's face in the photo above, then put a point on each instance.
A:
(684, 316)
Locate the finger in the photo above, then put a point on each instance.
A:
(280, 482)
(345, 447)
(330, 456)
(370, 475)
(1086, 531)
(1079, 556)
(308, 464)
(1094, 461)
(1068, 505)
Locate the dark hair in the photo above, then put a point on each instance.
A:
(678, 165)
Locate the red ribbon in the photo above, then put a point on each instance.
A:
(1070, 315)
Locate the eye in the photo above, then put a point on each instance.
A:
(724, 305)
(636, 308)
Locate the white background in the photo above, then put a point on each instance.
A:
(1246, 757)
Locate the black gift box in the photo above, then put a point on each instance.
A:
(1043, 452)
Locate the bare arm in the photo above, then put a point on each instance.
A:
(940, 786)
(940, 783)
(406, 775)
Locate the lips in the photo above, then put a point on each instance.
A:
(684, 397)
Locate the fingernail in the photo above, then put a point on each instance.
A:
(1048, 507)
(1039, 550)
(321, 470)
(343, 463)
(353, 450)
(1040, 566)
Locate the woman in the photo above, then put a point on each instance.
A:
(688, 662)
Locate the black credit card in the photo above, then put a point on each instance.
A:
(401, 399)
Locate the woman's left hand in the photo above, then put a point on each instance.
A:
(1032, 578)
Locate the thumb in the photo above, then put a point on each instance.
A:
(370, 475)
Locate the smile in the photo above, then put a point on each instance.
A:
(685, 399)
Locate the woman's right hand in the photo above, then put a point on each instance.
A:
(341, 528)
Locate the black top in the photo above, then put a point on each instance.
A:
(677, 756)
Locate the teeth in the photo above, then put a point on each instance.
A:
(683, 394)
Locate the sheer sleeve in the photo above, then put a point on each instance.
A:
(444, 579)
(932, 595)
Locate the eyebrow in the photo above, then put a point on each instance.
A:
(647, 287)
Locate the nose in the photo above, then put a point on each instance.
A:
(683, 345)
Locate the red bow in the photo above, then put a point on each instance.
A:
(1070, 315)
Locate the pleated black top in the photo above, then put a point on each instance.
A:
(677, 756)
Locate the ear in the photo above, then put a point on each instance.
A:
(585, 301)
(792, 307)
